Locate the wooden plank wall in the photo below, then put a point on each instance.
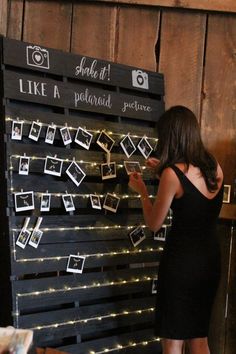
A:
(194, 49)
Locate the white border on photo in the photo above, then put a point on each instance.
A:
(160, 235)
(71, 206)
(76, 166)
(87, 134)
(54, 161)
(49, 139)
(16, 135)
(109, 207)
(226, 195)
(95, 205)
(23, 233)
(68, 140)
(144, 151)
(134, 163)
(100, 142)
(154, 285)
(112, 170)
(35, 238)
(24, 165)
(138, 231)
(46, 196)
(23, 195)
(127, 139)
(75, 270)
(35, 126)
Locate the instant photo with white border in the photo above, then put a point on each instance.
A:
(111, 202)
(83, 138)
(137, 235)
(160, 235)
(154, 285)
(23, 238)
(16, 130)
(35, 238)
(50, 134)
(144, 147)
(132, 166)
(75, 263)
(24, 165)
(35, 131)
(68, 202)
(105, 141)
(24, 201)
(65, 134)
(226, 195)
(45, 202)
(108, 170)
(53, 166)
(95, 201)
(75, 173)
(128, 146)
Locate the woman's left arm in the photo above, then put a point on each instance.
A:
(155, 214)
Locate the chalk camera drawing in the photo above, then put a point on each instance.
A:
(37, 56)
(140, 79)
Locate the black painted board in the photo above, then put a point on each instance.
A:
(31, 88)
(41, 265)
(134, 342)
(33, 57)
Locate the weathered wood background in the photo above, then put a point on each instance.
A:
(193, 43)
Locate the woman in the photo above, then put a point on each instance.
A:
(191, 183)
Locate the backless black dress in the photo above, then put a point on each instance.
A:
(189, 269)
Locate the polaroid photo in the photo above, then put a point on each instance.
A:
(65, 134)
(24, 201)
(111, 202)
(35, 238)
(68, 202)
(83, 138)
(226, 195)
(45, 202)
(53, 166)
(75, 264)
(132, 166)
(137, 236)
(95, 201)
(16, 130)
(105, 141)
(75, 173)
(23, 238)
(108, 170)
(50, 134)
(154, 285)
(128, 146)
(24, 165)
(35, 131)
(160, 235)
(144, 147)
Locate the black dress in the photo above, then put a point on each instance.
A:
(189, 269)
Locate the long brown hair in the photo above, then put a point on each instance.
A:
(180, 142)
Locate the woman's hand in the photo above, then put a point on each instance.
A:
(136, 183)
(152, 163)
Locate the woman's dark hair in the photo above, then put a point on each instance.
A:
(179, 141)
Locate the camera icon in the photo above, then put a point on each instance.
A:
(37, 56)
(140, 79)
